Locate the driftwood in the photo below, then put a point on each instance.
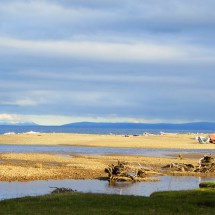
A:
(62, 190)
(182, 167)
(125, 172)
(206, 165)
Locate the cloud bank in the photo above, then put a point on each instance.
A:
(146, 61)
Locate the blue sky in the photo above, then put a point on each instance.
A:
(65, 61)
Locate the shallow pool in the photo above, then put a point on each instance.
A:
(34, 188)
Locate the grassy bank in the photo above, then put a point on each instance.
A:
(182, 202)
(209, 184)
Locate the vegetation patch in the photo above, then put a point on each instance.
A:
(208, 184)
(178, 202)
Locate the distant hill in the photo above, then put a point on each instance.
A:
(183, 126)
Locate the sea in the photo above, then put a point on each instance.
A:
(95, 130)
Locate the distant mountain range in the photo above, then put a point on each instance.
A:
(182, 126)
(174, 126)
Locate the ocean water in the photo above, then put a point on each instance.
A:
(87, 130)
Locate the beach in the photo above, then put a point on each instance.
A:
(44, 166)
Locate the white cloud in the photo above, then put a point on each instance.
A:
(9, 117)
(136, 52)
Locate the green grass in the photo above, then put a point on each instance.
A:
(201, 201)
(208, 184)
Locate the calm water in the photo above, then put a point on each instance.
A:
(98, 150)
(34, 188)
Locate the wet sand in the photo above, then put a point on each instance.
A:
(44, 166)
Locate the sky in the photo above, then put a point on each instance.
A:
(65, 61)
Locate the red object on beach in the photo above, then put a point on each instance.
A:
(212, 137)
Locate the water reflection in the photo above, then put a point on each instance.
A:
(33, 188)
(166, 183)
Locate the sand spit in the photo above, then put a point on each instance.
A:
(178, 141)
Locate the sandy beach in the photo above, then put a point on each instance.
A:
(44, 166)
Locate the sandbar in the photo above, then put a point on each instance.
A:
(178, 141)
